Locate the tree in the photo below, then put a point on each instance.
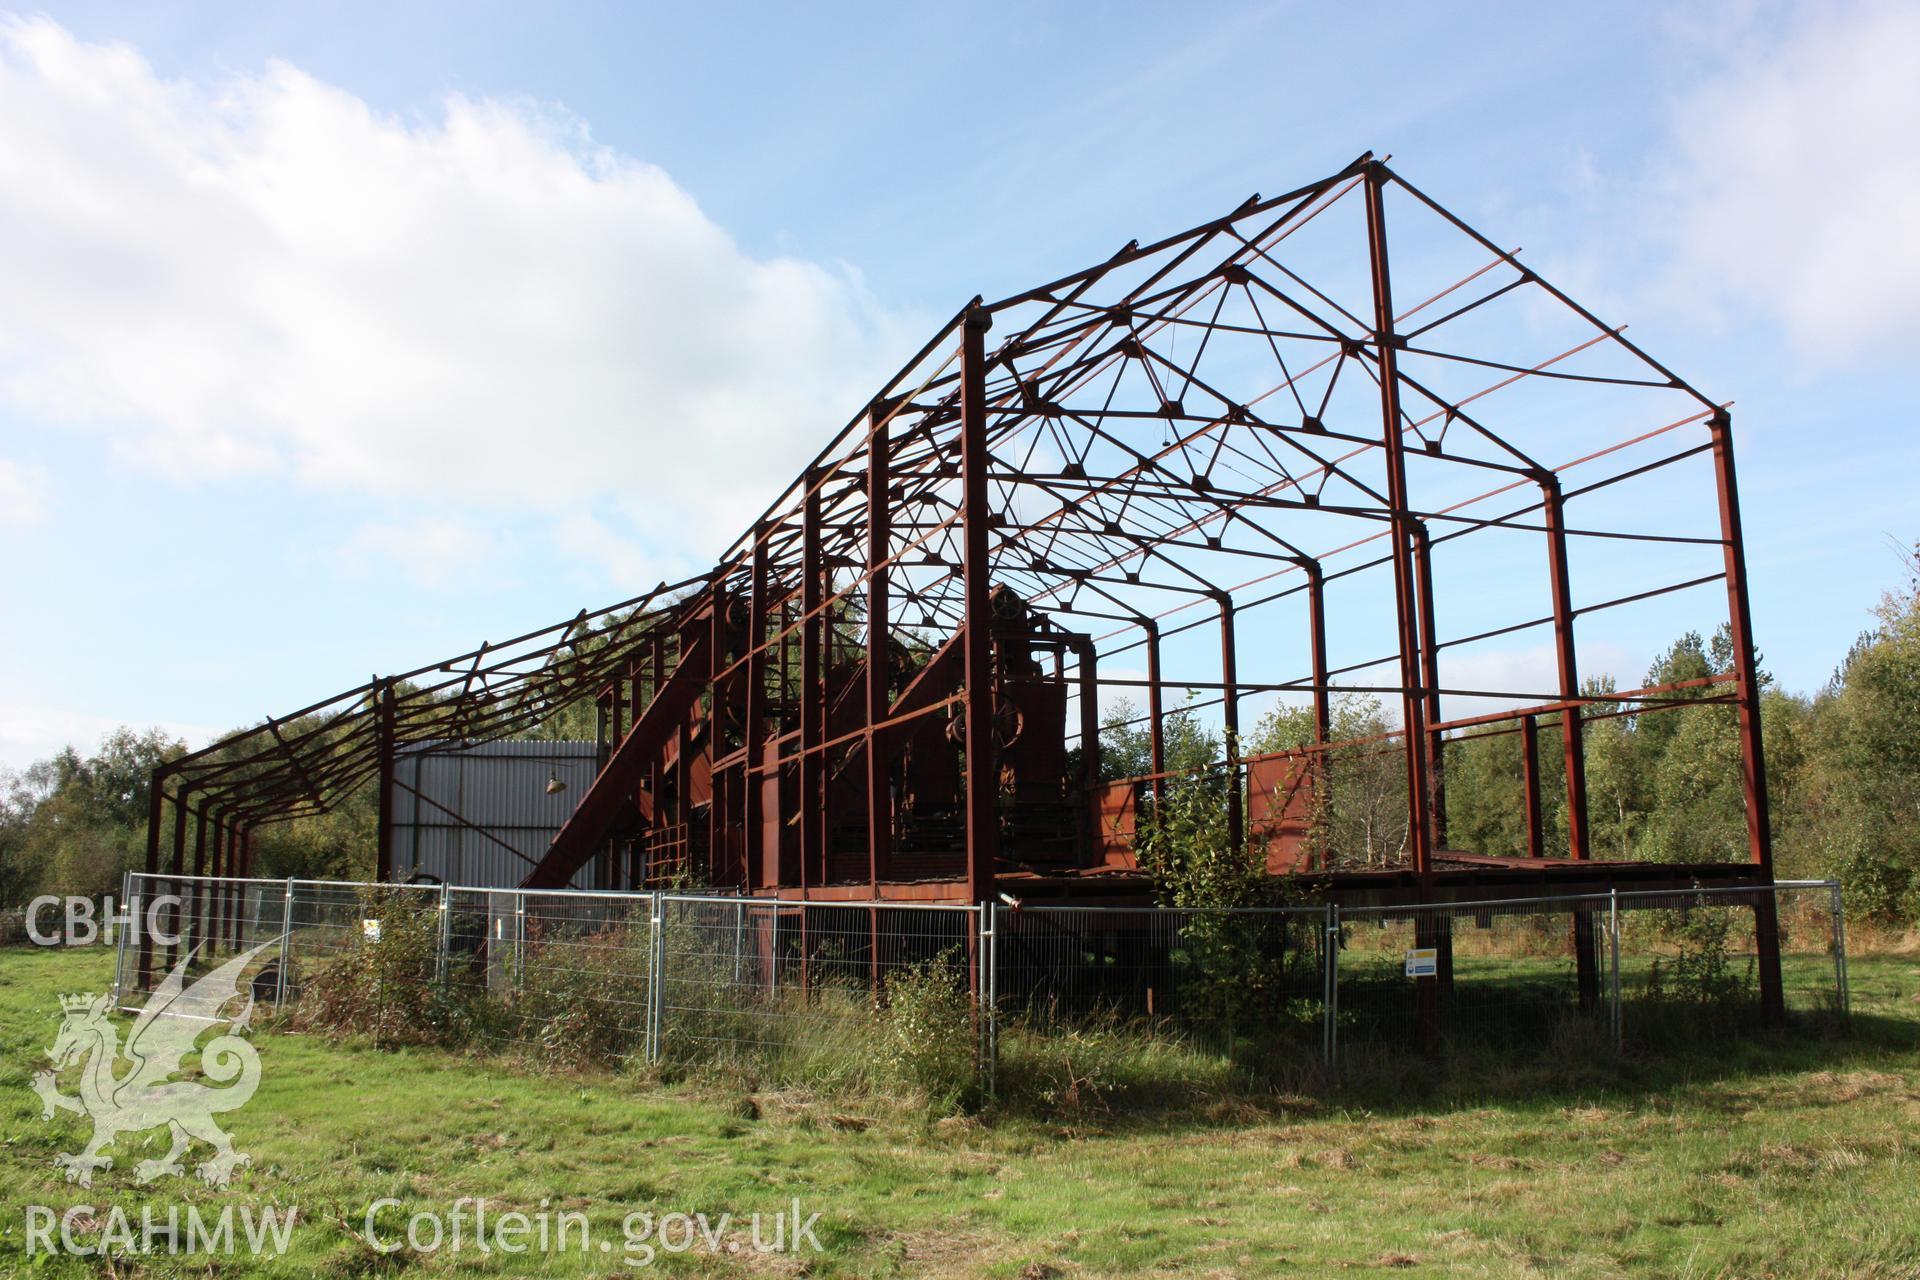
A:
(73, 824)
(1126, 742)
(1360, 792)
(1862, 783)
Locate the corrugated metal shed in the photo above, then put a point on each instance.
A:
(480, 813)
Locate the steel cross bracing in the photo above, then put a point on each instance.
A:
(1236, 430)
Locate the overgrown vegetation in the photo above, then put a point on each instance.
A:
(1763, 1156)
(930, 1031)
(388, 988)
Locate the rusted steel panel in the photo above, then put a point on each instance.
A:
(1116, 816)
(1280, 807)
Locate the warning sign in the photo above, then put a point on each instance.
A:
(1423, 962)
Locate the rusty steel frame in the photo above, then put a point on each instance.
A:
(1134, 450)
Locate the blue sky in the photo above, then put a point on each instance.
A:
(337, 339)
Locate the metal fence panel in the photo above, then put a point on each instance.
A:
(774, 979)
(684, 977)
(1248, 983)
(1497, 976)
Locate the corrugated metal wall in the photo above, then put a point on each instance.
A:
(498, 787)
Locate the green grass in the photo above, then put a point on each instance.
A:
(1785, 1155)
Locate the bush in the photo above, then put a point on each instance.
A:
(387, 988)
(928, 1031)
(583, 998)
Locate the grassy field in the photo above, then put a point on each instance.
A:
(1775, 1156)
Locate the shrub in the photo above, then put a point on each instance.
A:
(928, 1031)
(387, 987)
(582, 1001)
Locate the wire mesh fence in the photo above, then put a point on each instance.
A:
(826, 988)
(1249, 984)
(1499, 976)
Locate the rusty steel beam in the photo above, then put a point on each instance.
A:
(1156, 714)
(199, 894)
(383, 837)
(758, 871)
(1406, 608)
(177, 913)
(878, 658)
(1430, 683)
(1089, 779)
(1572, 737)
(156, 796)
(1031, 466)
(1530, 784)
(813, 707)
(982, 779)
(720, 698)
(1230, 717)
(1317, 653)
(1753, 760)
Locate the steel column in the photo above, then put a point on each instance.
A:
(719, 697)
(1572, 741)
(1530, 783)
(217, 891)
(156, 796)
(1156, 735)
(178, 913)
(879, 660)
(1413, 708)
(199, 885)
(1230, 715)
(1317, 647)
(983, 782)
(813, 730)
(1753, 761)
(1430, 683)
(756, 727)
(1089, 780)
(383, 847)
(1321, 768)
(246, 871)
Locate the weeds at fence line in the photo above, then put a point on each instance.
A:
(385, 988)
(928, 1018)
(1073, 1011)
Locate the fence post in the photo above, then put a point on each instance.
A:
(739, 935)
(519, 941)
(1838, 911)
(120, 933)
(1330, 999)
(989, 986)
(286, 944)
(1613, 945)
(656, 980)
(446, 937)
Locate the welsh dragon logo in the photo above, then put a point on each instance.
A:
(146, 1095)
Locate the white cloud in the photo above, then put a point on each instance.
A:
(24, 493)
(29, 732)
(431, 550)
(1795, 183)
(483, 306)
(1533, 673)
(617, 557)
